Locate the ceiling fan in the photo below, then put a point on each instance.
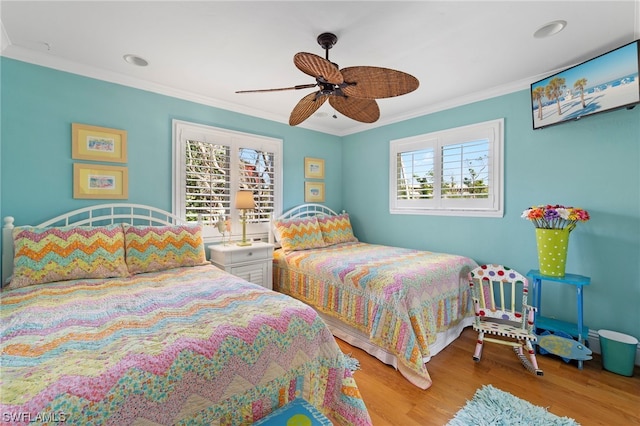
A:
(352, 91)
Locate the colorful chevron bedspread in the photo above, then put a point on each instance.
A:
(400, 298)
(183, 346)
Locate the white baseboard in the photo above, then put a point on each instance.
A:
(594, 345)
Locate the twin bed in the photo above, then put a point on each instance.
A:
(113, 316)
(400, 305)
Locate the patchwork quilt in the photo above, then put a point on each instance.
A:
(191, 345)
(400, 298)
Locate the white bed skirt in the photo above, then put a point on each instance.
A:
(356, 338)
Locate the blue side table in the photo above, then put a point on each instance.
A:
(579, 331)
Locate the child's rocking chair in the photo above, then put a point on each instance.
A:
(495, 290)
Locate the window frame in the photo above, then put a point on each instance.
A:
(493, 206)
(184, 131)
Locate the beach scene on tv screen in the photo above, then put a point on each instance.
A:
(603, 83)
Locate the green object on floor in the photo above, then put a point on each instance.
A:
(618, 352)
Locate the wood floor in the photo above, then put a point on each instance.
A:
(591, 396)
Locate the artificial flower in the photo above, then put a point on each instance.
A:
(555, 217)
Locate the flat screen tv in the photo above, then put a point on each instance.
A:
(604, 83)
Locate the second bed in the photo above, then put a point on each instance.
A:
(400, 305)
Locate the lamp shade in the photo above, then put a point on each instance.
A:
(244, 200)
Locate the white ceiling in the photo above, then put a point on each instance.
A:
(204, 51)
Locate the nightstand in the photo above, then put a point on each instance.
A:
(253, 263)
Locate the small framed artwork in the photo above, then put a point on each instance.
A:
(314, 192)
(313, 168)
(98, 181)
(98, 143)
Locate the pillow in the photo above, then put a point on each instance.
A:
(336, 229)
(50, 254)
(299, 234)
(156, 248)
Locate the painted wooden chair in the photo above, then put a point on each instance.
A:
(499, 297)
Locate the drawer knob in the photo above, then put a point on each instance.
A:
(250, 254)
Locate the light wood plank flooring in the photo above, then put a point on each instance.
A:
(592, 396)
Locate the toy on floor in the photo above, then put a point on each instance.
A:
(563, 345)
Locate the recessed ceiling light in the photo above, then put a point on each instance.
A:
(324, 114)
(547, 30)
(136, 60)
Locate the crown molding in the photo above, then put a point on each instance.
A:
(50, 61)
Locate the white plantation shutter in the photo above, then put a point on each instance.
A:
(415, 178)
(212, 164)
(257, 173)
(467, 163)
(451, 172)
(207, 181)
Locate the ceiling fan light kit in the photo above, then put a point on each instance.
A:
(351, 91)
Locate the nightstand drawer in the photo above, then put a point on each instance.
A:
(249, 254)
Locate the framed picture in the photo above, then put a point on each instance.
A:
(313, 168)
(98, 181)
(314, 192)
(98, 143)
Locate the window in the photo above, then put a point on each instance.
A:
(212, 164)
(454, 172)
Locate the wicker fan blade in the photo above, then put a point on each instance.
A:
(364, 110)
(299, 86)
(377, 82)
(307, 106)
(316, 66)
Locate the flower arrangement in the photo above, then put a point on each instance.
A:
(555, 217)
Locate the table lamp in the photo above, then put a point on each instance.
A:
(244, 201)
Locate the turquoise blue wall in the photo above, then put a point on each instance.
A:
(39, 104)
(592, 163)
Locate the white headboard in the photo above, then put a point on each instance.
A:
(302, 211)
(307, 210)
(100, 214)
